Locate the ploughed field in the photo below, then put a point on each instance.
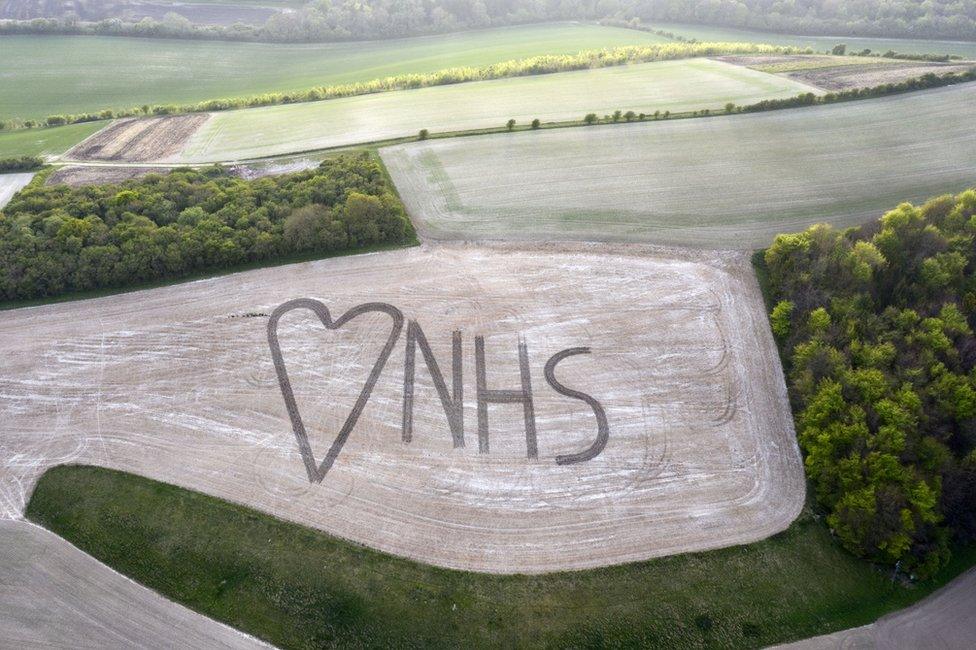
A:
(686, 442)
(723, 182)
(44, 75)
(674, 86)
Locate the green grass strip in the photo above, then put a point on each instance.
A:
(300, 588)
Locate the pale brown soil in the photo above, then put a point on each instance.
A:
(178, 384)
(77, 175)
(139, 140)
(53, 595)
(867, 76)
(846, 73)
(946, 620)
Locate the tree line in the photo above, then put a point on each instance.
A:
(335, 20)
(21, 164)
(59, 239)
(544, 64)
(876, 329)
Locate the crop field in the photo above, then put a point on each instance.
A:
(44, 75)
(666, 86)
(52, 141)
(724, 182)
(687, 442)
(965, 49)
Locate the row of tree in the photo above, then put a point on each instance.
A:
(331, 20)
(544, 64)
(21, 164)
(876, 328)
(58, 239)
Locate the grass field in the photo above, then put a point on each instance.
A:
(725, 182)
(43, 142)
(670, 85)
(42, 75)
(300, 588)
(821, 43)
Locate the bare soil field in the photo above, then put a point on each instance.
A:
(609, 404)
(52, 595)
(10, 184)
(733, 181)
(78, 175)
(139, 140)
(834, 73)
(945, 620)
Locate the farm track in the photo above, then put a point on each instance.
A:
(177, 384)
(53, 595)
(10, 184)
(724, 182)
(946, 619)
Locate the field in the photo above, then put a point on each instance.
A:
(44, 75)
(725, 182)
(178, 384)
(217, 558)
(10, 184)
(669, 85)
(45, 142)
(965, 49)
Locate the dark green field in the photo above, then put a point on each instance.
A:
(300, 588)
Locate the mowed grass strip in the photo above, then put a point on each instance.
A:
(300, 588)
(44, 75)
(723, 182)
(51, 141)
(674, 86)
(820, 43)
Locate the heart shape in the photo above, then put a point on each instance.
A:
(317, 472)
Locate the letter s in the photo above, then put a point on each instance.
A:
(603, 428)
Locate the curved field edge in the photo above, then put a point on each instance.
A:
(298, 587)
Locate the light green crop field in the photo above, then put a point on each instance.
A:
(821, 43)
(723, 182)
(43, 75)
(45, 142)
(668, 85)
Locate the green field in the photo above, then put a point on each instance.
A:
(300, 588)
(668, 85)
(724, 182)
(45, 142)
(821, 43)
(43, 75)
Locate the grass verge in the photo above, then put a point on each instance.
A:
(301, 588)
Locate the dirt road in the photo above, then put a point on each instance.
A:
(54, 596)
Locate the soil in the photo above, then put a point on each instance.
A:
(139, 140)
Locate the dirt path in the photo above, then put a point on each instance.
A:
(54, 596)
(944, 620)
(178, 384)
